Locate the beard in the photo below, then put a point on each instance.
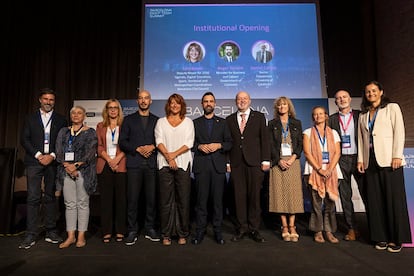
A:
(208, 110)
(144, 107)
(47, 107)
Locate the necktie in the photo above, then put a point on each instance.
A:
(263, 56)
(242, 123)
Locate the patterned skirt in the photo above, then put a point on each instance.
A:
(285, 190)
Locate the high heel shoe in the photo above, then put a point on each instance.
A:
(166, 241)
(106, 239)
(319, 237)
(285, 233)
(294, 236)
(331, 238)
(182, 241)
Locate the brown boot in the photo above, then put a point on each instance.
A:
(351, 236)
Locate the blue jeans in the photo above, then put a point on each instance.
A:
(35, 174)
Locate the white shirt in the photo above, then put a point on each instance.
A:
(239, 118)
(308, 167)
(174, 138)
(47, 122)
(349, 131)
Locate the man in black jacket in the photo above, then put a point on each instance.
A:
(137, 140)
(38, 139)
(212, 142)
(249, 159)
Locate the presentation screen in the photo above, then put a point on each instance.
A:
(267, 49)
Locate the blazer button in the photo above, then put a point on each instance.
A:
(242, 137)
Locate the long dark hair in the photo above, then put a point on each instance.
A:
(365, 104)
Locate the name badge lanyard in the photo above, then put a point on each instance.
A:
(113, 136)
(112, 147)
(345, 127)
(346, 138)
(371, 124)
(72, 136)
(285, 132)
(325, 154)
(46, 135)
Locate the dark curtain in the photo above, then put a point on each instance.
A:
(80, 49)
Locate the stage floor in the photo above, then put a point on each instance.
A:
(274, 257)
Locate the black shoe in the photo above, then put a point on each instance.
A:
(381, 246)
(238, 237)
(53, 237)
(219, 238)
(152, 235)
(131, 238)
(198, 239)
(255, 235)
(28, 242)
(394, 248)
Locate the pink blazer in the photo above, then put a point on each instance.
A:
(100, 163)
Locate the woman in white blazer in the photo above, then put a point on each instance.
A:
(381, 137)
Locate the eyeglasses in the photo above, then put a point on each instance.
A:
(112, 107)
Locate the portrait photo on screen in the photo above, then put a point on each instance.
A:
(263, 51)
(194, 52)
(229, 51)
(266, 49)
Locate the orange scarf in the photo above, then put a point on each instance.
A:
(318, 182)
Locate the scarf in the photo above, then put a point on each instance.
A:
(318, 182)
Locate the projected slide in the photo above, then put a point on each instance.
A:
(267, 50)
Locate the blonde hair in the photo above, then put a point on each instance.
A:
(105, 114)
(77, 107)
(278, 101)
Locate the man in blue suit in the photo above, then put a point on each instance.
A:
(38, 138)
(212, 142)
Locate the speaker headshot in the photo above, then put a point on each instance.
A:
(229, 51)
(264, 52)
(194, 52)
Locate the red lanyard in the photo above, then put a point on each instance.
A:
(347, 123)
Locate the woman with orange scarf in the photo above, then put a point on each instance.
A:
(321, 146)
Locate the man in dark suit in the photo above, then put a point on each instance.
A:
(137, 140)
(263, 55)
(38, 139)
(249, 158)
(345, 122)
(230, 54)
(212, 142)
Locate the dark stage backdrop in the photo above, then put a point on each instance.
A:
(90, 50)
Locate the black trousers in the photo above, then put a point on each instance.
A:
(35, 175)
(175, 189)
(209, 185)
(348, 164)
(247, 182)
(141, 179)
(112, 188)
(387, 204)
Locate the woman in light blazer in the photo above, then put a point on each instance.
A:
(381, 137)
